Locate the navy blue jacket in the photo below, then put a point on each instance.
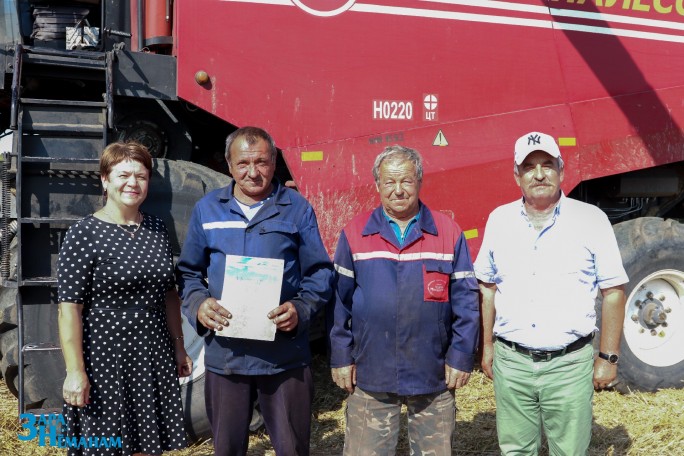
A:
(403, 311)
(284, 228)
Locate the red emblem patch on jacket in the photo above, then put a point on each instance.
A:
(435, 286)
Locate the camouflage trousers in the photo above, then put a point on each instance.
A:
(373, 423)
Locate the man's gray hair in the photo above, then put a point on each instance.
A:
(252, 135)
(399, 153)
(559, 162)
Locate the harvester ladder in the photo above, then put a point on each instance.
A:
(58, 138)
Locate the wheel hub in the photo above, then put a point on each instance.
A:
(652, 313)
(654, 318)
(146, 133)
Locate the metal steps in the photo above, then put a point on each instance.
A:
(59, 113)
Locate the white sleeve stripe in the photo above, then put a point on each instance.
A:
(463, 275)
(381, 254)
(218, 225)
(344, 271)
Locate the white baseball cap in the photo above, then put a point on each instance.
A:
(533, 141)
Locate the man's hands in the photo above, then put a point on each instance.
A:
(612, 318)
(455, 378)
(285, 316)
(76, 389)
(604, 374)
(345, 377)
(212, 316)
(488, 360)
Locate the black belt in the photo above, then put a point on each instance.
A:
(545, 355)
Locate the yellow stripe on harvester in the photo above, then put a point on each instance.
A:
(470, 234)
(567, 142)
(314, 155)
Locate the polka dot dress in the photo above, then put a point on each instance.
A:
(121, 279)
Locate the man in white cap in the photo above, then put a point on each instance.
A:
(543, 261)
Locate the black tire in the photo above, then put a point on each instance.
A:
(152, 127)
(652, 353)
(44, 371)
(39, 390)
(8, 351)
(187, 182)
(192, 388)
(194, 410)
(8, 325)
(175, 188)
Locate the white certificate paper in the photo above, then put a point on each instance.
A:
(251, 289)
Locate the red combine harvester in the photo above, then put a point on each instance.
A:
(335, 81)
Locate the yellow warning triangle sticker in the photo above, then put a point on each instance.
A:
(440, 140)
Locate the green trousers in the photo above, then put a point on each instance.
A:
(551, 395)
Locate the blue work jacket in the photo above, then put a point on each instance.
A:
(404, 310)
(284, 228)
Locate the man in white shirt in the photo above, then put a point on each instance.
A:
(542, 262)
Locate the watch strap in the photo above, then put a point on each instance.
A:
(612, 358)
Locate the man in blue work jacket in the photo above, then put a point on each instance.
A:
(406, 317)
(255, 217)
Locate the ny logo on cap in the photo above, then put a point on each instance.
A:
(533, 139)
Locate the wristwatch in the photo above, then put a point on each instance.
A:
(612, 358)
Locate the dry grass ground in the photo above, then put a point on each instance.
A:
(634, 424)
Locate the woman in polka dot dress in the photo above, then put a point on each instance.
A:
(119, 321)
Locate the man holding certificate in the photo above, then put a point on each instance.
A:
(253, 273)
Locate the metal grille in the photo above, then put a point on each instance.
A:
(5, 232)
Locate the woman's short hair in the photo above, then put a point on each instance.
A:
(119, 151)
(399, 153)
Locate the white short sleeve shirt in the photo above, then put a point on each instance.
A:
(547, 281)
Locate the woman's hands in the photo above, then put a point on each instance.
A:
(76, 389)
(183, 361)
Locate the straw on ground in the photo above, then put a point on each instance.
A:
(634, 424)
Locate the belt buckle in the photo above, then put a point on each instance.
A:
(541, 355)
